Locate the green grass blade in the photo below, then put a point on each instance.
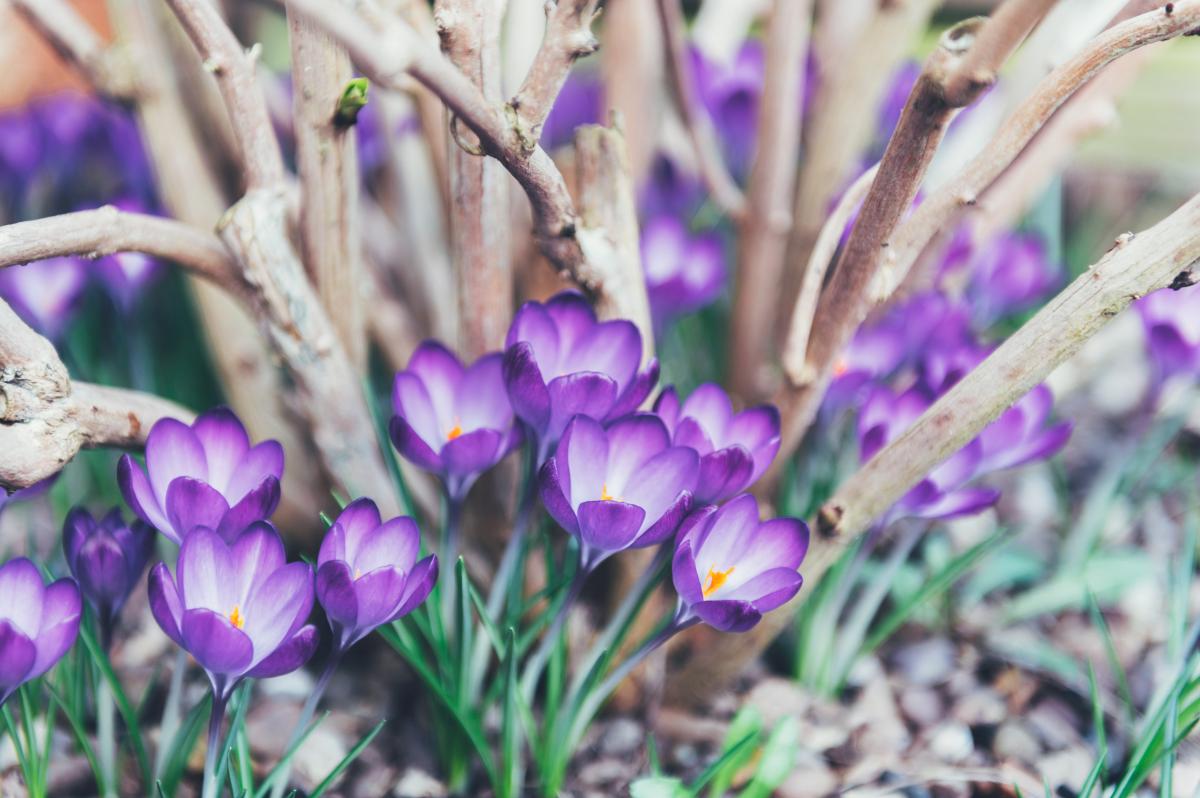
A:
(347, 760)
(123, 706)
(182, 746)
(286, 759)
(81, 738)
(1110, 653)
(746, 725)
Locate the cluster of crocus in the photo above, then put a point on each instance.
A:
(44, 147)
(1171, 320)
(611, 476)
(898, 367)
(684, 272)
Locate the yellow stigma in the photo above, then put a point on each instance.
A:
(604, 494)
(236, 618)
(716, 579)
(454, 432)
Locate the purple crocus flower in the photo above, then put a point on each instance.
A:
(107, 558)
(730, 567)
(368, 573)
(618, 488)
(559, 361)
(452, 420)
(731, 93)
(126, 274)
(1010, 274)
(944, 492)
(581, 102)
(735, 448)
(206, 475)
(44, 293)
(670, 190)
(1021, 435)
(20, 144)
(683, 272)
(1171, 319)
(38, 624)
(239, 609)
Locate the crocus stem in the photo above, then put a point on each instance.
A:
(449, 554)
(537, 662)
(106, 732)
(171, 713)
(211, 788)
(596, 698)
(500, 589)
(306, 716)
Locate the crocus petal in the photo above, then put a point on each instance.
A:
(472, 453)
(219, 646)
(691, 433)
(667, 523)
(555, 498)
(380, 594)
(728, 616)
(636, 392)
(192, 503)
(60, 626)
(723, 540)
(172, 451)
(17, 655)
(205, 571)
(138, 494)
(482, 400)
(723, 474)
(632, 441)
(710, 405)
(583, 460)
(609, 525)
(261, 461)
(779, 542)
(962, 502)
(278, 606)
(585, 393)
(421, 580)
(766, 591)
(255, 555)
(257, 505)
(657, 483)
(335, 591)
(165, 603)
(572, 317)
(225, 443)
(102, 571)
(21, 595)
(411, 402)
(685, 576)
(411, 446)
(292, 654)
(666, 407)
(441, 373)
(397, 542)
(613, 348)
(527, 390)
(533, 325)
(75, 532)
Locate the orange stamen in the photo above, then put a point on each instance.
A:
(840, 367)
(236, 618)
(716, 579)
(604, 494)
(454, 432)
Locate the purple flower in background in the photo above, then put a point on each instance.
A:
(581, 102)
(206, 475)
(735, 449)
(45, 293)
(239, 609)
(1171, 320)
(368, 573)
(944, 492)
(38, 624)
(683, 272)
(126, 274)
(1021, 434)
(618, 488)
(670, 190)
(107, 558)
(559, 361)
(1010, 274)
(24, 494)
(730, 568)
(452, 420)
(730, 93)
(947, 360)
(20, 145)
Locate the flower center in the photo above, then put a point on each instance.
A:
(236, 617)
(840, 367)
(605, 496)
(716, 579)
(454, 432)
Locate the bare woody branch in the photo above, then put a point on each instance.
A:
(479, 187)
(762, 244)
(725, 192)
(45, 419)
(106, 231)
(608, 227)
(77, 43)
(256, 230)
(1006, 28)
(568, 37)
(385, 48)
(938, 210)
(1167, 254)
(865, 259)
(262, 163)
(327, 157)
